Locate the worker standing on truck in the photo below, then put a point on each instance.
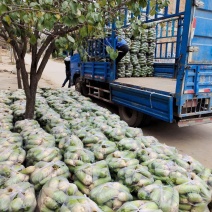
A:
(121, 46)
(67, 62)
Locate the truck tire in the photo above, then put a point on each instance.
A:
(133, 117)
(85, 90)
(130, 116)
(145, 120)
(78, 86)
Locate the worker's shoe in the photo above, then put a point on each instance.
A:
(63, 85)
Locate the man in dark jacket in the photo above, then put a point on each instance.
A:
(67, 62)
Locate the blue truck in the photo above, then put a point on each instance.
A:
(180, 89)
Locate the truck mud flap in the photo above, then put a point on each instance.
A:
(148, 102)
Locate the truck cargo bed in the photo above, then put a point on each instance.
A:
(155, 83)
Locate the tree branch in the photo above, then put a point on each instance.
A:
(48, 40)
(45, 59)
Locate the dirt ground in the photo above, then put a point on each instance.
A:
(8, 77)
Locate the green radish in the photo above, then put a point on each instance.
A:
(82, 187)
(194, 198)
(16, 204)
(4, 202)
(183, 189)
(50, 203)
(186, 207)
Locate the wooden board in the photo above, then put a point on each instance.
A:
(156, 83)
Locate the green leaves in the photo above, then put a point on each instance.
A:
(3, 8)
(83, 32)
(7, 19)
(33, 40)
(113, 53)
(71, 39)
(81, 19)
(84, 18)
(65, 5)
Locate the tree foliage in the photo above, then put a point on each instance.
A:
(24, 22)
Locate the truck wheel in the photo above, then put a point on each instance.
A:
(130, 116)
(133, 117)
(85, 90)
(78, 86)
(145, 120)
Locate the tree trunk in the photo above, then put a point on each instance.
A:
(30, 107)
(30, 89)
(19, 78)
(30, 101)
(18, 68)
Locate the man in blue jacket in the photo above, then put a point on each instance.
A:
(121, 46)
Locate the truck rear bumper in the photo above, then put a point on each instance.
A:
(195, 121)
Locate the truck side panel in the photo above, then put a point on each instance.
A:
(151, 103)
(201, 35)
(99, 71)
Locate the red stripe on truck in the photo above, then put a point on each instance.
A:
(189, 91)
(194, 23)
(207, 90)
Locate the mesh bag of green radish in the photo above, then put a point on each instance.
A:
(121, 159)
(11, 174)
(60, 131)
(189, 163)
(158, 151)
(206, 176)
(132, 132)
(121, 70)
(126, 58)
(195, 195)
(116, 134)
(39, 139)
(93, 136)
(166, 171)
(24, 124)
(147, 141)
(128, 69)
(8, 138)
(12, 155)
(134, 59)
(102, 150)
(5, 97)
(18, 197)
(112, 194)
(135, 46)
(55, 192)
(135, 177)
(139, 206)
(89, 176)
(130, 144)
(6, 120)
(18, 108)
(166, 197)
(79, 204)
(43, 171)
(40, 153)
(72, 140)
(76, 156)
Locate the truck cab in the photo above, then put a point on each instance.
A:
(180, 88)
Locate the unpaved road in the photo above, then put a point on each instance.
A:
(195, 141)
